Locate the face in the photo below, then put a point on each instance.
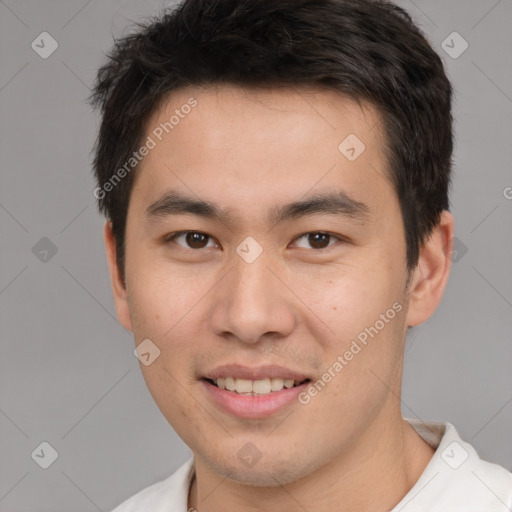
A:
(294, 269)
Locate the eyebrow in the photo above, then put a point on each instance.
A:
(333, 203)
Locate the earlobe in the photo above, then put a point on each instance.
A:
(432, 271)
(118, 286)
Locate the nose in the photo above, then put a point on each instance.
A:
(252, 303)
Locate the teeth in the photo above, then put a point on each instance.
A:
(254, 387)
(229, 382)
(243, 386)
(261, 387)
(277, 384)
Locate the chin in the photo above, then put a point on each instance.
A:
(264, 473)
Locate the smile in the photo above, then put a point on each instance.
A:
(254, 387)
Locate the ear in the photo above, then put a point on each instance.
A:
(431, 274)
(118, 287)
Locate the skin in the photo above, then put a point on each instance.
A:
(296, 305)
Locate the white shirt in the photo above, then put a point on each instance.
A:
(455, 480)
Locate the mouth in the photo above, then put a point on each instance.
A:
(253, 394)
(259, 387)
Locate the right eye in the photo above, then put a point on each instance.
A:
(189, 239)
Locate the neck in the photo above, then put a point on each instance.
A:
(380, 469)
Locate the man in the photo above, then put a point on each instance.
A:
(275, 177)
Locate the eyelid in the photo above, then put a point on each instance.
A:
(339, 238)
(172, 236)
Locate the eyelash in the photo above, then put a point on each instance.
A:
(173, 236)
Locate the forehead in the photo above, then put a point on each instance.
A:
(267, 114)
(253, 146)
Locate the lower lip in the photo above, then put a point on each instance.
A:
(255, 406)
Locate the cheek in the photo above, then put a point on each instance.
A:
(345, 299)
(169, 396)
(361, 358)
(162, 310)
(162, 299)
(359, 314)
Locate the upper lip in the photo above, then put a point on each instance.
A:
(254, 373)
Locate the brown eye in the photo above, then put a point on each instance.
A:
(317, 240)
(196, 240)
(190, 239)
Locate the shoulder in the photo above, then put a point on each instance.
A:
(484, 484)
(480, 486)
(168, 494)
(457, 479)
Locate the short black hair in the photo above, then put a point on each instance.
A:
(367, 50)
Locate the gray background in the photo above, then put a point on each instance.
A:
(68, 375)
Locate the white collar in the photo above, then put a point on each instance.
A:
(455, 480)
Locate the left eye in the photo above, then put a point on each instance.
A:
(317, 240)
(192, 239)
